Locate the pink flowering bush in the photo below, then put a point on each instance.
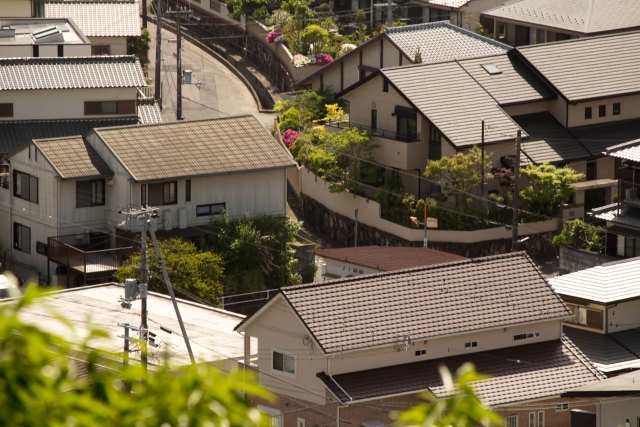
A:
(323, 58)
(273, 35)
(289, 137)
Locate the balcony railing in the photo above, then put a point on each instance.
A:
(632, 197)
(87, 253)
(414, 137)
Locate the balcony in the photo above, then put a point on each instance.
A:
(632, 197)
(87, 255)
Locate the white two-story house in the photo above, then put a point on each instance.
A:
(31, 37)
(352, 350)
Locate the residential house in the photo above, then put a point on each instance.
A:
(605, 302)
(622, 219)
(210, 329)
(347, 262)
(352, 350)
(29, 37)
(397, 46)
(65, 207)
(465, 13)
(107, 24)
(618, 400)
(524, 22)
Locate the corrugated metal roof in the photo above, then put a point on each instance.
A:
(516, 374)
(195, 148)
(452, 100)
(605, 283)
(581, 16)
(587, 68)
(515, 83)
(73, 158)
(442, 41)
(70, 73)
(549, 141)
(608, 352)
(99, 18)
(382, 309)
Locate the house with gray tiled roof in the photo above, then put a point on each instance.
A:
(605, 302)
(65, 196)
(524, 22)
(107, 24)
(33, 37)
(398, 46)
(465, 13)
(375, 341)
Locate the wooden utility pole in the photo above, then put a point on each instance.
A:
(178, 14)
(483, 172)
(157, 93)
(143, 292)
(516, 196)
(144, 13)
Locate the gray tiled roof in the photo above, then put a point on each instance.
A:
(588, 68)
(549, 141)
(581, 16)
(517, 374)
(73, 158)
(442, 41)
(99, 18)
(597, 138)
(608, 352)
(149, 111)
(387, 258)
(447, 3)
(70, 73)
(454, 102)
(15, 135)
(515, 84)
(195, 148)
(626, 151)
(606, 283)
(623, 215)
(425, 302)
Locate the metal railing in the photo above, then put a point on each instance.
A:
(412, 137)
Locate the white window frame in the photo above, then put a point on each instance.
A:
(284, 354)
(300, 422)
(530, 335)
(532, 419)
(511, 421)
(540, 418)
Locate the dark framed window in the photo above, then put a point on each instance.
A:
(143, 194)
(385, 85)
(562, 36)
(6, 109)
(163, 193)
(90, 193)
(406, 124)
(616, 108)
(592, 171)
(594, 319)
(100, 49)
(587, 112)
(60, 50)
(374, 121)
(93, 108)
(21, 237)
(210, 209)
(284, 362)
(42, 248)
(602, 110)
(438, 15)
(25, 186)
(36, 51)
(435, 143)
(187, 190)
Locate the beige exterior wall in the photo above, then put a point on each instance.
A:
(118, 45)
(623, 316)
(558, 109)
(472, 10)
(528, 108)
(585, 305)
(629, 109)
(15, 9)
(606, 167)
(351, 74)
(615, 411)
(391, 54)
(331, 268)
(61, 104)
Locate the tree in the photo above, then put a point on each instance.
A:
(315, 38)
(40, 387)
(251, 8)
(548, 187)
(139, 46)
(581, 235)
(417, 57)
(462, 408)
(197, 272)
(459, 175)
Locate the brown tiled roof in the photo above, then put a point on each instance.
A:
(195, 148)
(517, 374)
(387, 258)
(73, 158)
(589, 68)
(379, 309)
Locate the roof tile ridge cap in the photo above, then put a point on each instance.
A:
(582, 358)
(480, 37)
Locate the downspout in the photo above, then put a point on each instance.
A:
(338, 407)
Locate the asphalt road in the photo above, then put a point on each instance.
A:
(214, 91)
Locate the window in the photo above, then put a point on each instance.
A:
(406, 124)
(374, 121)
(25, 186)
(511, 421)
(438, 15)
(562, 36)
(93, 108)
(90, 193)
(592, 169)
(435, 143)
(42, 248)
(594, 319)
(21, 237)
(421, 352)
(163, 193)
(385, 86)
(587, 112)
(501, 31)
(284, 362)
(187, 190)
(602, 110)
(214, 5)
(562, 407)
(100, 49)
(210, 209)
(540, 36)
(532, 419)
(540, 418)
(36, 51)
(6, 109)
(471, 344)
(143, 194)
(60, 50)
(526, 336)
(300, 422)
(616, 108)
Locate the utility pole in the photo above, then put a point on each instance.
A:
(143, 290)
(516, 196)
(389, 13)
(355, 243)
(483, 172)
(144, 13)
(424, 241)
(157, 93)
(178, 14)
(126, 386)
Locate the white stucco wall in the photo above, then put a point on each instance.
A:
(623, 316)
(615, 411)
